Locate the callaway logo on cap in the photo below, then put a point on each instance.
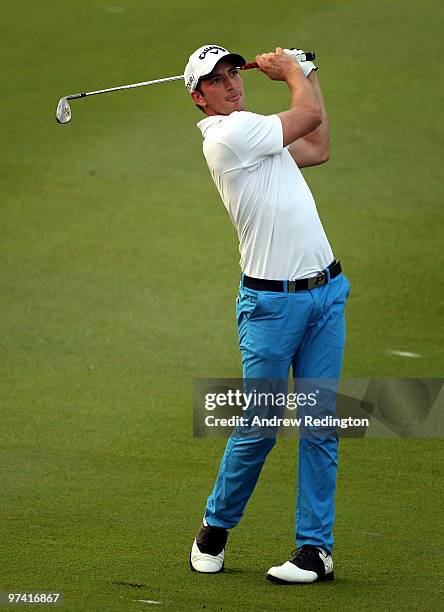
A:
(203, 61)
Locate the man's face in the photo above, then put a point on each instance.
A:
(222, 92)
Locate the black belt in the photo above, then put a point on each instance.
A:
(261, 284)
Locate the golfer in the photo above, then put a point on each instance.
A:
(290, 307)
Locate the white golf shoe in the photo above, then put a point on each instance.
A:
(308, 564)
(208, 550)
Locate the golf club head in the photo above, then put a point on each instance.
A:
(63, 112)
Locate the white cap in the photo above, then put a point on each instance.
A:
(203, 61)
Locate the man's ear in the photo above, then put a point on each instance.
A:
(198, 98)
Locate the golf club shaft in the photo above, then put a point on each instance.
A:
(132, 86)
(308, 56)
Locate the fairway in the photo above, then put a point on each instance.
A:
(119, 273)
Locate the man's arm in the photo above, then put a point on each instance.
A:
(313, 148)
(304, 115)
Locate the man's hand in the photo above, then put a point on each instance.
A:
(307, 66)
(278, 66)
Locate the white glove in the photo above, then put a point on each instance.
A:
(306, 66)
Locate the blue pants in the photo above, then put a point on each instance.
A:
(304, 331)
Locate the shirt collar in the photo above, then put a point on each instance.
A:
(208, 122)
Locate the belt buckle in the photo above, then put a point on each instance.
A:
(317, 281)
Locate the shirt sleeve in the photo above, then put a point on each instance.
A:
(253, 137)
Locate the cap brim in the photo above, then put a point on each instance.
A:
(235, 57)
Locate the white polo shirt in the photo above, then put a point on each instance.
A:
(280, 234)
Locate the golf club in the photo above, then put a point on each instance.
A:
(64, 115)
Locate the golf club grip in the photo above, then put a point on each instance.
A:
(309, 57)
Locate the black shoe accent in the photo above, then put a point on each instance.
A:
(307, 558)
(211, 540)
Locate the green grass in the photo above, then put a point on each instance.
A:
(119, 273)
